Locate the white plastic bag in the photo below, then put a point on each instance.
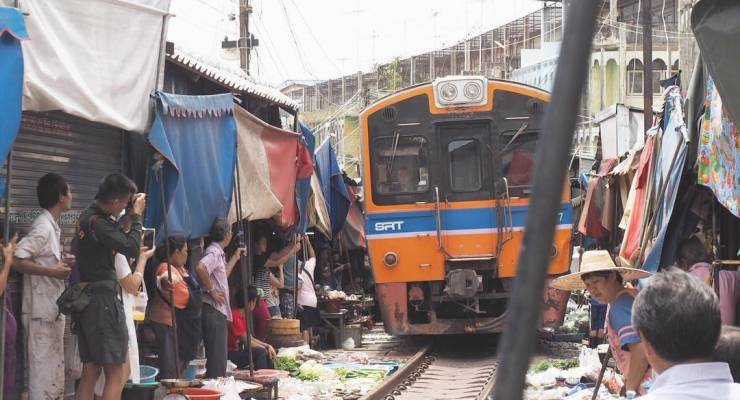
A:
(348, 344)
(229, 386)
(589, 361)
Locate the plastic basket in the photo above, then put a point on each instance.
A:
(148, 374)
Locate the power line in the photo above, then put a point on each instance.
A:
(259, 64)
(278, 66)
(209, 5)
(308, 26)
(637, 29)
(275, 58)
(300, 54)
(295, 41)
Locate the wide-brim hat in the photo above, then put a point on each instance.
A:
(594, 261)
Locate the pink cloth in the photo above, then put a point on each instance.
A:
(728, 285)
(633, 233)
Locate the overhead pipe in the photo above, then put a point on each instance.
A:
(553, 150)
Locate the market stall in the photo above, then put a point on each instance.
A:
(344, 317)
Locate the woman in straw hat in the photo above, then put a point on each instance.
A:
(607, 283)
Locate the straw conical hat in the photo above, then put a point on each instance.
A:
(593, 261)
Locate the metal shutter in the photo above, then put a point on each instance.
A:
(81, 151)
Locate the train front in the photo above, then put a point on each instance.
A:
(448, 171)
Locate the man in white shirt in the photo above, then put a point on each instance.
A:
(308, 312)
(678, 319)
(39, 258)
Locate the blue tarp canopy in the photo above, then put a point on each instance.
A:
(303, 186)
(332, 186)
(12, 30)
(196, 135)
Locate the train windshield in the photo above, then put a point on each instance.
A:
(518, 163)
(464, 158)
(401, 165)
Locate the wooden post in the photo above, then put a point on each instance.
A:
(242, 43)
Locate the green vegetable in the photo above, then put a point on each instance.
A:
(374, 374)
(544, 365)
(541, 366)
(565, 364)
(287, 363)
(312, 371)
(308, 376)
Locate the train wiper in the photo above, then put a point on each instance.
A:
(396, 137)
(516, 135)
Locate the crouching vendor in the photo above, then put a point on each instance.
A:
(607, 284)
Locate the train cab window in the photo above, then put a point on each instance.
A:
(465, 165)
(517, 161)
(401, 165)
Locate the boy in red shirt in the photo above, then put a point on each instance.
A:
(262, 353)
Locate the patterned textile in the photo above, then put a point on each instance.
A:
(719, 152)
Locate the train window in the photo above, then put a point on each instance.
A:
(464, 159)
(518, 163)
(402, 165)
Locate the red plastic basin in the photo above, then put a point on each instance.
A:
(202, 394)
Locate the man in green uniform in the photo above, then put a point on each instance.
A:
(102, 333)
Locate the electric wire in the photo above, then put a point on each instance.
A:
(313, 35)
(300, 54)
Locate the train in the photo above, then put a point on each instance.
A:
(448, 170)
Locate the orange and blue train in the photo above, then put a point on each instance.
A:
(447, 176)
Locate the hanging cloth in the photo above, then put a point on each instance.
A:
(638, 202)
(12, 31)
(332, 185)
(271, 161)
(353, 232)
(303, 186)
(197, 137)
(591, 223)
(719, 152)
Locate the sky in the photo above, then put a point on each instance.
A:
(322, 39)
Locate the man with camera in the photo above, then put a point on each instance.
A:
(101, 325)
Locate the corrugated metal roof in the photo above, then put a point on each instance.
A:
(232, 78)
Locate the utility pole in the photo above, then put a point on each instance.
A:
(647, 61)
(245, 44)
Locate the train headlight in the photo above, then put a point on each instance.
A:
(448, 92)
(460, 91)
(554, 253)
(472, 90)
(390, 259)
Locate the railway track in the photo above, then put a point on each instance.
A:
(447, 368)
